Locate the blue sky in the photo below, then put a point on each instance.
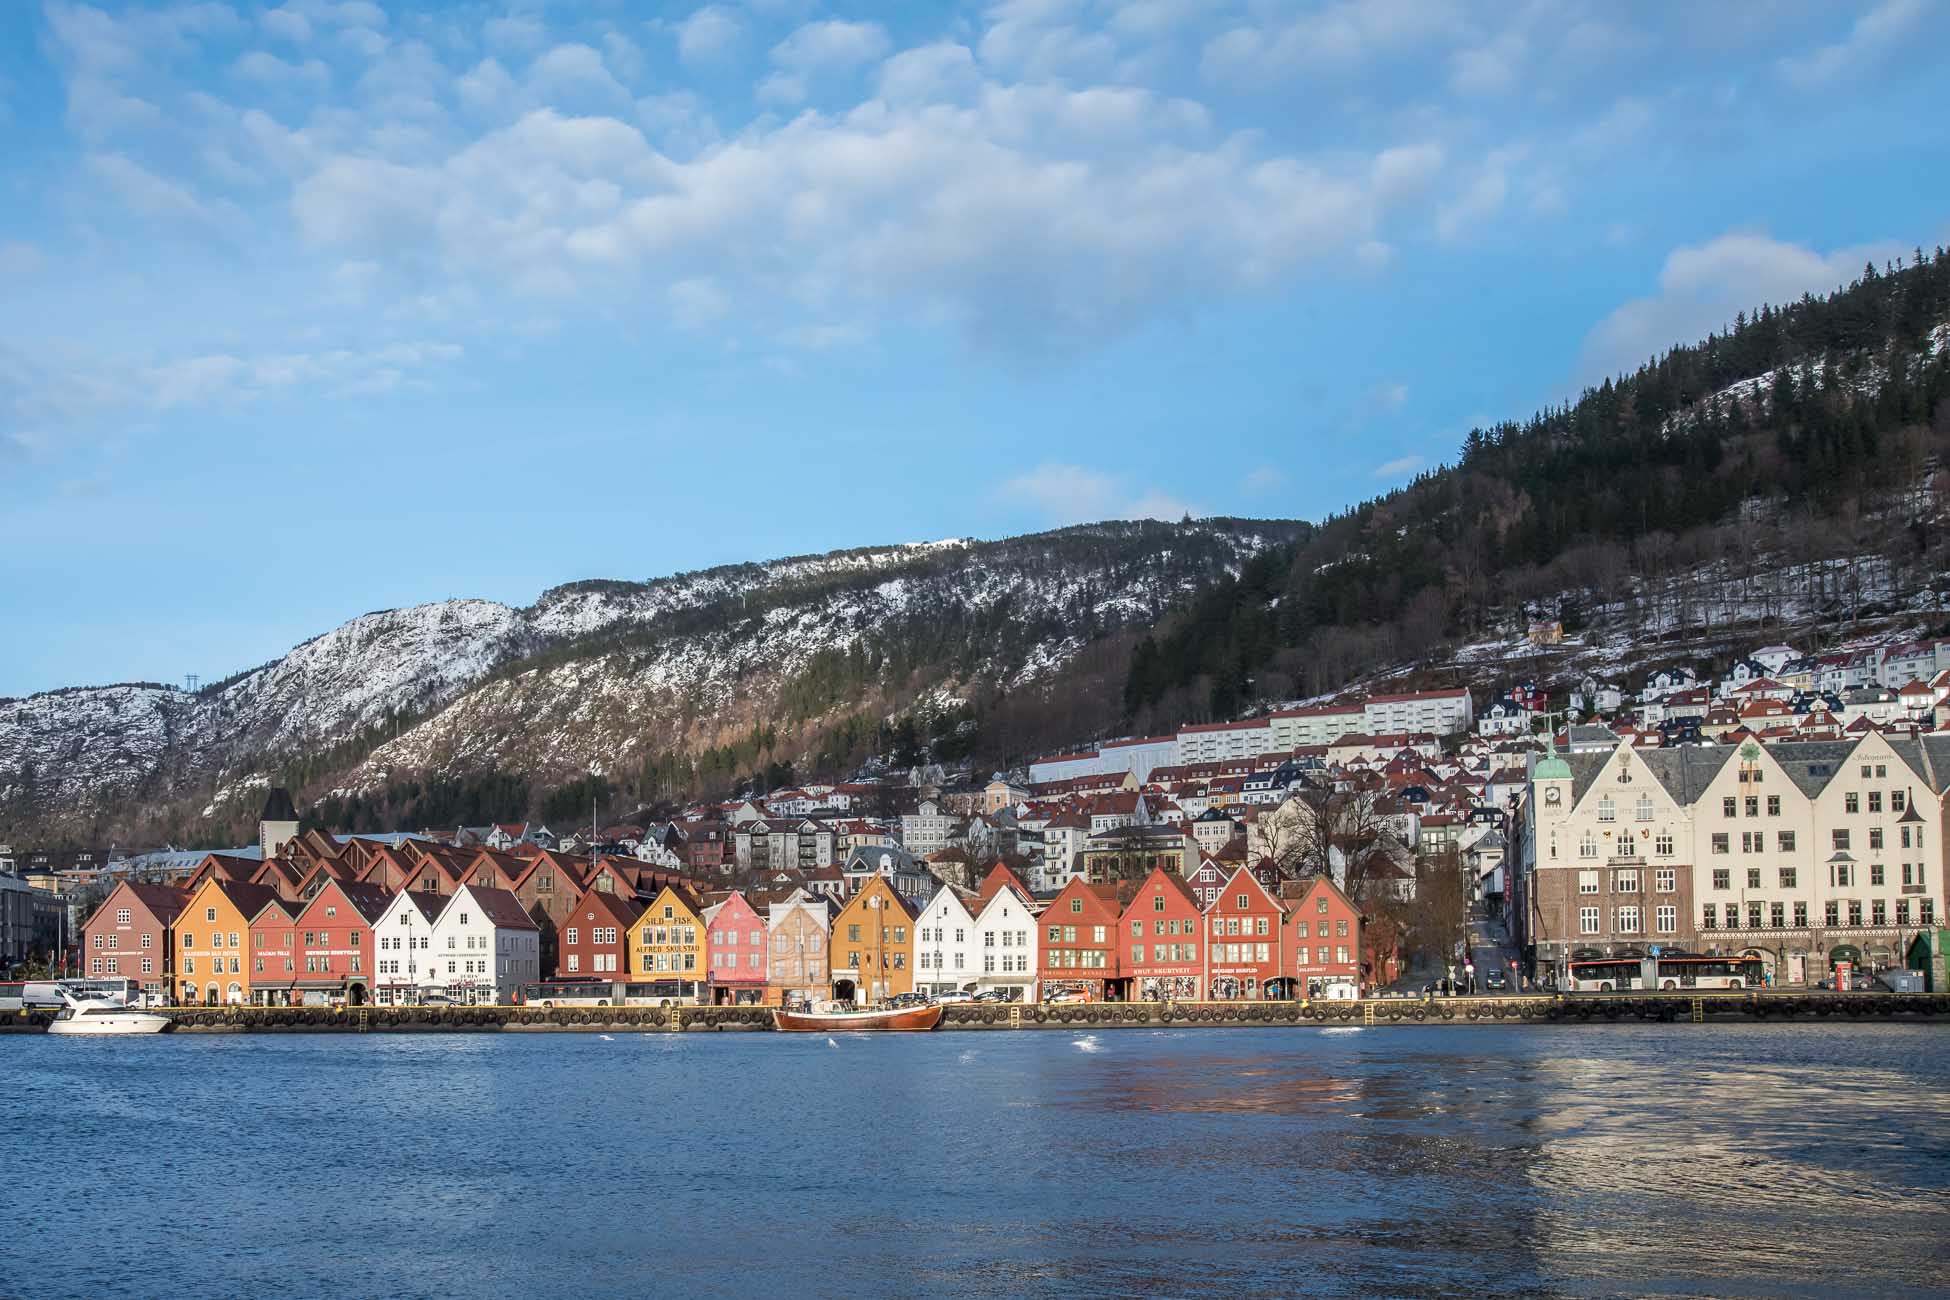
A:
(328, 306)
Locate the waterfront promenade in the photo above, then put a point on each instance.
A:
(1717, 1007)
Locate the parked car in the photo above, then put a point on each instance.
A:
(1496, 982)
(908, 1000)
(996, 995)
(953, 995)
(437, 1000)
(1071, 995)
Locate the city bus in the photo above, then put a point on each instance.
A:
(612, 993)
(1674, 971)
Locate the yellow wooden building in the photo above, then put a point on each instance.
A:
(211, 937)
(666, 943)
(873, 945)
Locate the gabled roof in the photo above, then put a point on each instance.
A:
(501, 908)
(999, 878)
(162, 902)
(369, 901)
(620, 908)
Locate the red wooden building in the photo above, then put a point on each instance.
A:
(1324, 938)
(595, 936)
(273, 952)
(335, 943)
(1246, 943)
(1162, 934)
(1080, 945)
(129, 935)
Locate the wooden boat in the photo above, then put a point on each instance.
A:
(838, 1017)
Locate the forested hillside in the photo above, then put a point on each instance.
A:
(1807, 432)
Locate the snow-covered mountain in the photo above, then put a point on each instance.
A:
(595, 672)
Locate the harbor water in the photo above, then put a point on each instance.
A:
(1760, 1159)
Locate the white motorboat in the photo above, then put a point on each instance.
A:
(104, 1016)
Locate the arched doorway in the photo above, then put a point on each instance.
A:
(355, 994)
(845, 990)
(211, 997)
(235, 994)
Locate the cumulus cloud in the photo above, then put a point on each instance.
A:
(711, 34)
(1400, 467)
(1702, 287)
(1871, 39)
(980, 216)
(1333, 38)
(942, 70)
(1060, 493)
(1480, 199)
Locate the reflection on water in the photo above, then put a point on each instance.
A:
(1440, 1161)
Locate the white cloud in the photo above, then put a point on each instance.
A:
(1337, 38)
(1404, 172)
(1042, 40)
(269, 70)
(1400, 467)
(1478, 201)
(1872, 38)
(831, 46)
(576, 74)
(1702, 287)
(65, 396)
(1070, 494)
(708, 36)
(980, 216)
(698, 303)
(148, 194)
(514, 33)
(285, 24)
(1390, 396)
(1491, 68)
(940, 71)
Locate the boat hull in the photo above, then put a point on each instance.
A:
(904, 1020)
(133, 1023)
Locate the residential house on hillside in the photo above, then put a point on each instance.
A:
(929, 828)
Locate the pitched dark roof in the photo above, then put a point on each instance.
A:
(277, 806)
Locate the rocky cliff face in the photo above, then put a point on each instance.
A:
(595, 673)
